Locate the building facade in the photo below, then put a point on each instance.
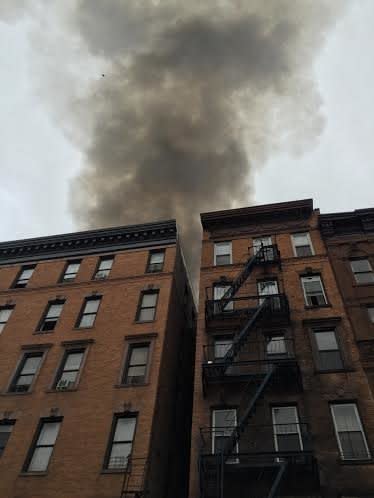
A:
(96, 365)
(282, 403)
(349, 239)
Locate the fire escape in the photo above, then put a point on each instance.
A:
(134, 484)
(261, 470)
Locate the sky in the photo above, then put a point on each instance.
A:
(40, 156)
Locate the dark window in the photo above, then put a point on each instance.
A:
(329, 357)
(71, 271)
(104, 267)
(5, 431)
(24, 276)
(26, 372)
(314, 292)
(51, 316)
(362, 271)
(276, 346)
(89, 312)
(155, 261)
(302, 244)
(5, 313)
(371, 313)
(287, 431)
(42, 448)
(121, 441)
(69, 370)
(222, 253)
(221, 346)
(349, 432)
(147, 306)
(137, 363)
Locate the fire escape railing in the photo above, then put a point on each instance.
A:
(134, 483)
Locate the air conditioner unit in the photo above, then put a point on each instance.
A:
(62, 385)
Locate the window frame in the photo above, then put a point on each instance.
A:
(3, 308)
(294, 246)
(140, 308)
(234, 410)
(73, 348)
(20, 364)
(150, 254)
(108, 451)
(337, 437)
(62, 279)
(6, 422)
(95, 297)
(131, 345)
(370, 272)
(370, 312)
(307, 305)
(297, 423)
(215, 252)
(18, 277)
(108, 257)
(317, 357)
(34, 446)
(257, 248)
(42, 321)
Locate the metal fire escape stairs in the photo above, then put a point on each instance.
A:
(239, 341)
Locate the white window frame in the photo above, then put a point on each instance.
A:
(358, 418)
(322, 287)
(232, 410)
(297, 423)
(218, 295)
(216, 244)
(294, 246)
(265, 241)
(277, 337)
(224, 343)
(370, 271)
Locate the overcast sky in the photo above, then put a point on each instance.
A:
(38, 159)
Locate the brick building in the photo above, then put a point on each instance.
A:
(349, 240)
(282, 404)
(96, 365)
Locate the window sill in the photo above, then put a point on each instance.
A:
(43, 332)
(369, 284)
(318, 307)
(73, 389)
(144, 321)
(16, 394)
(114, 471)
(340, 370)
(142, 384)
(369, 461)
(83, 328)
(33, 474)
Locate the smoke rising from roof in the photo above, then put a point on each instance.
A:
(195, 96)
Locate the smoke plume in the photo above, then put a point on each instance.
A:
(194, 97)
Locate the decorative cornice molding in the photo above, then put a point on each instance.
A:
(268, 213)
(88, 242)
(358, 222)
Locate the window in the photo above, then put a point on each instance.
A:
(24, 276)
(362, 271)
(261, 242)
(42, 448)
(137, 363)
(5, 312)
(219, 291)
(89, 312)
(222, 253)
(26, 372)
(370, 313)
(155, 261)
(329, 357)
(276, 346)
(224, 424)
(269, 288)
(349, 432)
(287, 434)
(121, 442)
(51, 316)
(71, 271)
(302, 245)
(69, 370)
(314, 292)
(5, 431)
(147, 306)
(221, 346)
(104, 267)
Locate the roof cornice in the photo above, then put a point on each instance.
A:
(301, 209)
(88, 242)
(358, 222)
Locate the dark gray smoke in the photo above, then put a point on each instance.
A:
(195, 96)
